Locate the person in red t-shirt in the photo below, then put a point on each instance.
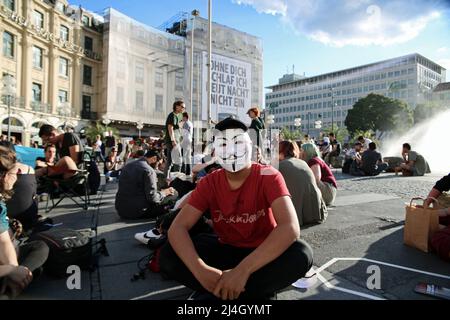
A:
(255, 250)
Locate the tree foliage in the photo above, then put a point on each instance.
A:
(379, 114)
(287, 134)
(341, 133)
(427, 110)
(98, 129)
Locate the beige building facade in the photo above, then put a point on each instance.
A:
(52, 50)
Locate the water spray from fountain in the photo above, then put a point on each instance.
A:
(430, 139)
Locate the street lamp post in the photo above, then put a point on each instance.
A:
(332, 109)
(209, 61)
(297, 123)
(106, 121)
(9, 91)
(309, 119)
(195, 13)
(139, 126)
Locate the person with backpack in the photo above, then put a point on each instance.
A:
(255, 250)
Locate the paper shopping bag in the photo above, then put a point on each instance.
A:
(420, 225)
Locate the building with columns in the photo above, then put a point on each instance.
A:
(73, 67)
(53, 50)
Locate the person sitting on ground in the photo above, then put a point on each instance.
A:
(324, 177)
(414, 163)
(335, 149)
(325, 147)
(113, 165)
(138, 196)
(440, 241)
(372, 162)
(22, 206)
(16, 269)
(69, 150)
(256, 228)
(365, 142)
(352, 155)
(300, 181)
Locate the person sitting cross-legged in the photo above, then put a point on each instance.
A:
(255, 250)
(372, 162)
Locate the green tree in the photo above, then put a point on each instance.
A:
(427, 110)
(379, 114)
(287, 134)
(98, 129)
(341, 134)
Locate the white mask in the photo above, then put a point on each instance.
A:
(233, 149)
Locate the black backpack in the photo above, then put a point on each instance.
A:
(93, 177)
(68, 247)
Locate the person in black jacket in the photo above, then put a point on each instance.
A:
(138, 195)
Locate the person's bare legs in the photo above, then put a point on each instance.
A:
(65, 166)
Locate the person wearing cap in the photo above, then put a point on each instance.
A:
(138, 196)
(255, 250)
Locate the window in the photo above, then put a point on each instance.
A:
(36, 94)
(139, 73)
(64, 33)
(10, 4)
(139, 101)
(38, 19)
(86, 21)
(37, 57)
(88, 43)
(119, 95)
(179, 81)
(62, 96)
(397, 73)
(87, 75)
(8, 45)
(159, 79)
(61, 7)
(159, 103)
(63, 67)
(87, 104)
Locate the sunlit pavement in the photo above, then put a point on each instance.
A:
(366, 222)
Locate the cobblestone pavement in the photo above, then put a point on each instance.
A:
(388, 183)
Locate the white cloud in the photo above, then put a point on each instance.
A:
(445, 63)
(354, 22)
(442, 50)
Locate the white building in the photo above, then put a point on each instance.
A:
(147, 69)
(328, 97)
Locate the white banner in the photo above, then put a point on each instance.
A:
(231, 92)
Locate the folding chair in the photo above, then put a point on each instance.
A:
(75, 188)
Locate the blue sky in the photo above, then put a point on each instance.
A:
(317, 36)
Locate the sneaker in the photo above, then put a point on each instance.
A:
(144, 237)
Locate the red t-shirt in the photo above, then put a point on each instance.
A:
(327, 175)
(242, 217)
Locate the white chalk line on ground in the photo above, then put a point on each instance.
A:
(361, 294)
(158, 292)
